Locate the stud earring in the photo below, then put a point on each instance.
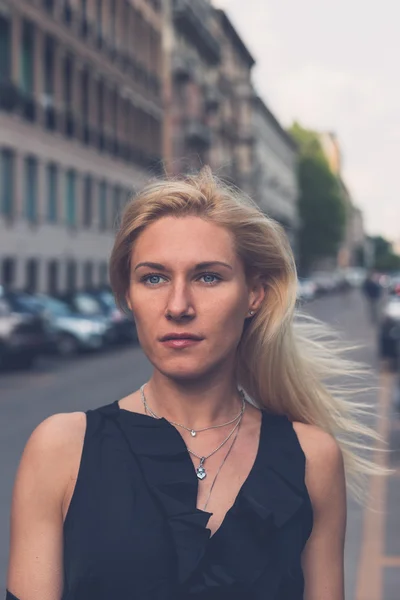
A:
(251, 312)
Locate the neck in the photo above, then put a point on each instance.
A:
(194, 404)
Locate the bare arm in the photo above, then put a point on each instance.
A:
(323, 555)
(35, 569)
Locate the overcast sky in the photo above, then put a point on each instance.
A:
(335, 66)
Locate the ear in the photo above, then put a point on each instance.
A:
(257, 291)
(128, 302)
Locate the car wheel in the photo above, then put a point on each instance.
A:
(67, 345)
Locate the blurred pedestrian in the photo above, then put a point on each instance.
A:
(372, 292)
(196, 484)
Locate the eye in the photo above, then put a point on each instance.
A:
(210, 278)
(152, 279)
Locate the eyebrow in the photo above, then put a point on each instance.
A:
(198, 267)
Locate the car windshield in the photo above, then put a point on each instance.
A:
(87, 305)
(21, 303)
(56, 307)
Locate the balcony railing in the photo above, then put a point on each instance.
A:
(191, 17)
(197, 133)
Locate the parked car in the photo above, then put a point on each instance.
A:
(91, 304)
(73, 332)
(390, 323)
(25, 333)
(306, 289)
(125, 328)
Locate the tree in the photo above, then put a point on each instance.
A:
(321, 205)
(384, 257)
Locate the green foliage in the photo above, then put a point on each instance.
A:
(384, 257)
(321, 205)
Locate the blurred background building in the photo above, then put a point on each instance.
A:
(354, 235)
(98, 96)
(274, 162)
(80, 126)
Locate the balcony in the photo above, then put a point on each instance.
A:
(212, 98)
(198, 134)
(190, 17)
(9, 96)
(182, 67)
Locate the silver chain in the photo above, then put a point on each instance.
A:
(201, 473)
(193, 431)
(204, 458)
(220, 467)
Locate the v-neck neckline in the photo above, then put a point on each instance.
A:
(163, 422)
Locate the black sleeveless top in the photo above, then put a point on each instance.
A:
(133, 532)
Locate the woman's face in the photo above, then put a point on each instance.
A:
(189, 296)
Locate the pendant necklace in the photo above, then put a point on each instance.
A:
(201, 471)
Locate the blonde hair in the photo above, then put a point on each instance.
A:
(285, 360)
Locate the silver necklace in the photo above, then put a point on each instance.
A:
(200, 471)
(220, 467)
(194, 432)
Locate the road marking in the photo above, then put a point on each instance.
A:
(390, 561)
(369, 580)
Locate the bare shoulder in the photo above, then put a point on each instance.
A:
(57, 433)
(324, 461)
(51, 452)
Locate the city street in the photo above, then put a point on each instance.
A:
(373, 540)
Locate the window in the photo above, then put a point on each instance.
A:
(100, 112)
(26, 58)
(70, 205)
(116, 205)
(84, 8)
(103, 273)
(52, 277)
(71, 275)
(103, 205)
(88, 201)
(88, 274)
(99, 19)
(85, 105)
(32, 273)
(52, 180)
(7, 183)
(5, 49)
(31, 192)
(8, 271)
(49, 49)
(49, 6)
(113, 10)
(67, 76)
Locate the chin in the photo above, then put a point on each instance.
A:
(182, 370)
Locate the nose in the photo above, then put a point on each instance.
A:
(179, 302)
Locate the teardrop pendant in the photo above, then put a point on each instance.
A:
(200, 471)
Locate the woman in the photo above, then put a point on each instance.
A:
(221, 477)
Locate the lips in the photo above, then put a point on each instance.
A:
(181, 336)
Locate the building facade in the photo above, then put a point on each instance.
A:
(231, 155)
(192, 101)
(275, 169)
(80, 129)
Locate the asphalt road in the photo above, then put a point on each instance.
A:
(373, 536)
